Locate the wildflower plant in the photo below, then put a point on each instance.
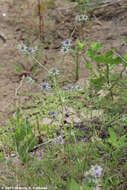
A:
(74, 52)
(93, 175)
(28, 68)
(27, 50)
(66, 156)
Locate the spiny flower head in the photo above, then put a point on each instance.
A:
(78, 87)
(45, 86)
(69, 87)
(59, 140)
(30, 80)
(96, 171)
(65, 49)
(54, 72)
(84, 17)
(66, 43)
(22, 47)
(52, 114)
(27, 50)
(79, 18)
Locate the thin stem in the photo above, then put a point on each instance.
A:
(57, 89)
(107, 73)
(77, 66)
(40, 64)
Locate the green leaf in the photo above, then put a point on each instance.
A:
(109, 53)
(89, 65)
(19, 68)
(96, 46)
(80, 45)
(73, 185)
(125, 57)
(113, 139)
(91, 53)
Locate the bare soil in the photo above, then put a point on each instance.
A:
(107, 23)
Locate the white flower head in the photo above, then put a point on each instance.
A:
(65, 49)
(78, 87)
(22, 47)
(79, 18)
(54, 72)
(84, 17)
(30, 80)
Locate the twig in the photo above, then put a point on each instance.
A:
(3, 37)
(20, 85)
(39, 145)
(90, 4)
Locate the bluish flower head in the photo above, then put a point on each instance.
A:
(45, 86)
(66, 43)
(52, 114)
(65, 49)
(54, 72)
(30, 80)
(96, 171)
(69, 87)
(60, 140)
(27, 50)
(31, 50)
